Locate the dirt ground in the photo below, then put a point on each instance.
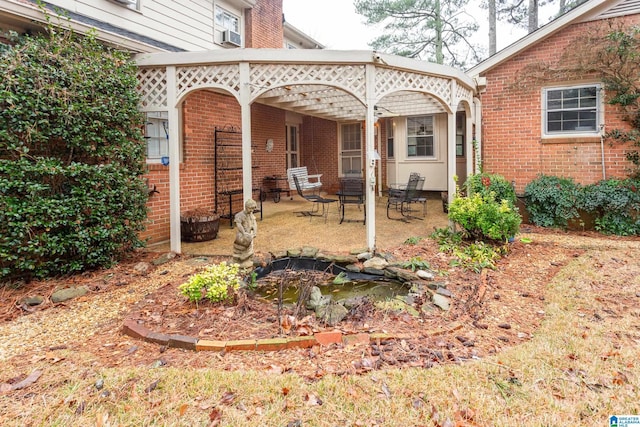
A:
(490, 311)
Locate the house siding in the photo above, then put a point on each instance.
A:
(512, 142)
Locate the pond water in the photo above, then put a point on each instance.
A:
(379, 290)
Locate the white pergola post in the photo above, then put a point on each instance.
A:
(478, 146)
(370, 177)
(245, 112)
(174, 161)
(451, 142)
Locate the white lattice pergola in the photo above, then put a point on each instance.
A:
(334, 85)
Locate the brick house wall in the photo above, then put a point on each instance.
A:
(204, 110)
(512, 143)
(264, 25)
(319, 151)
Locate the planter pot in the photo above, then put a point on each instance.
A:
(199, 228)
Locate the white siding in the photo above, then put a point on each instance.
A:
(186, 24)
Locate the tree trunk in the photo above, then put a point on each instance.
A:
(438, 30)
(492, 27)
(533, 16)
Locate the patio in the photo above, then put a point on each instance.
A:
(281, 228)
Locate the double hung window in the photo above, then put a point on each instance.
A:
(571, 109)
(420, 136)
(226, 20)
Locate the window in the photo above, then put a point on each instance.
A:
(351, 154)
(460, 130)
(157, 136)
(420, 136)
(389, 126)
(572, 109)
(226, 20)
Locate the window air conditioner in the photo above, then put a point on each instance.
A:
(126, 2)
(231, 38)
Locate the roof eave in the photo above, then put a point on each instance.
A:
(581, 13)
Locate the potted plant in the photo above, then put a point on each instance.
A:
(199, 225)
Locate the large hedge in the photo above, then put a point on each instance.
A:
(71, 156)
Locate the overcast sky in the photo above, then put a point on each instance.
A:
(336, 25)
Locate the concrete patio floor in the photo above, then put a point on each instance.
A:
(281, 228)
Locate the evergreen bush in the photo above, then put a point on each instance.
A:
(551, 201)
(71, 156)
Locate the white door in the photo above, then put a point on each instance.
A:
(351, 149)
(293, 146)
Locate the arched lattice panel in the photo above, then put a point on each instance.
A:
(464, 94)
(152, 86)
(390, 80)
(350, 78)
(225, 76)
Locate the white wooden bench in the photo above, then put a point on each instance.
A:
(306, 181)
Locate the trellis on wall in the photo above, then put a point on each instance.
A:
(228, 172)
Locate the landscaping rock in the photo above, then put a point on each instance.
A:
(68, 293)
(142, 267)
(364, 256)
(402, 274)
(445, 292)
(441, 301)
(317, 300)
(309, 252)
(354, 268)
(164, 258)
(425, 275)
(332, 314)
(32, 301)
(376, 263)
(294, 253)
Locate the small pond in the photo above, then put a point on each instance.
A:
(373, 290)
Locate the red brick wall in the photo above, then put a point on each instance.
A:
(203, 111)
(512, 143)
(319, 151)
(264, 25)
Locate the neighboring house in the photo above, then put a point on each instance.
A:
(553, 126)
(230, 102)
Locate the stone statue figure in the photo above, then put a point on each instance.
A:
(247, 228)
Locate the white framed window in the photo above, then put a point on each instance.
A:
(226, 20)
(157, 136)
(420, 137)
(390, 146)
(572, 109)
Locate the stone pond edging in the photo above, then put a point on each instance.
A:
(372, 266)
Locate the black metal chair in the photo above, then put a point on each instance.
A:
(401, 199)
(316, 200)
(351, 193)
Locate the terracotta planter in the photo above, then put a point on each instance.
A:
(199, 226)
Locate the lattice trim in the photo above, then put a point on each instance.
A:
(152, 86)
(268, 76)
(222, 76)
(389, 80)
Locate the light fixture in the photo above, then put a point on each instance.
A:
(269, 146)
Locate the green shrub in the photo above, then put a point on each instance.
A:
(71, 156)
(476, 256)
(616, 205)
(552, 201)
(216, 283)
(481, 217)
(491, 184)
(470, 256)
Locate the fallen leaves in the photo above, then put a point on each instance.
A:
(29, 380)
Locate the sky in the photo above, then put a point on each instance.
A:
(336, 25)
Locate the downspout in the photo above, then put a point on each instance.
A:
(604, 171)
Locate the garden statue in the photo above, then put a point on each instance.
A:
(247, 229)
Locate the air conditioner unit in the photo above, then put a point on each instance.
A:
(126, 2)
(231, 38)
